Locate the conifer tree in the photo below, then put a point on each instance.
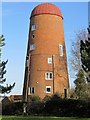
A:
(85, 55)
(7, 88)
(80, 85)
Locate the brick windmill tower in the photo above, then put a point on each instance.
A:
(46, 64)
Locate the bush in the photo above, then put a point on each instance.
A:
(68, 107)
(33, 98)
(13, 109)
(53, 106)
(35, 108)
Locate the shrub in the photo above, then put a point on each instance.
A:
(13, 109)
(33, 98)
(54, 106)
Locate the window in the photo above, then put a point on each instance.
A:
(32, 90)
(61, 50)
(32, 47)
(65, 93)
(48, 89)
(49, 60)
(27, 63)
(33, 27)
(48, 75)
(33, 36)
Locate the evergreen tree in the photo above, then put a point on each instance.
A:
(75, 56)
(80, 85)
(85, 55)
(8, 88)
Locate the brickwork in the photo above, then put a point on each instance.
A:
(49, 34)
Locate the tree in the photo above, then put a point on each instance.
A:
(85, 55)
(75, 58)
(82, 90)
(80, 85)
(82, 56)
(7, 88)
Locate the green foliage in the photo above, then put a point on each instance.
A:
(12, 109)
(80, 77)
(75, 56)
(82, 88)
(85, 55)
(55, 106)
(2, 43)
(80, 85)
(33, 98)
(8, 88)
(73, 94)
(46, 98)
(2, 39)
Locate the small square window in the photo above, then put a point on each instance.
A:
(33, 27)
(48, 75)
(48, 89)
(32, 47)
(49, 60)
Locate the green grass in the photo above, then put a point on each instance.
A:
(41, 118)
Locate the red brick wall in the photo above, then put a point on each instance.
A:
(49, 34)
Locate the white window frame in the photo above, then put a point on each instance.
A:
(61, 49)
(31, 90)
(33, 27)
(48, 87)
(32, 47)
(47, 77)
(49, 60)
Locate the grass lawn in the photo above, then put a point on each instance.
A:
(41, 118)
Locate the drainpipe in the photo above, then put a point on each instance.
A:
(53, 71)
